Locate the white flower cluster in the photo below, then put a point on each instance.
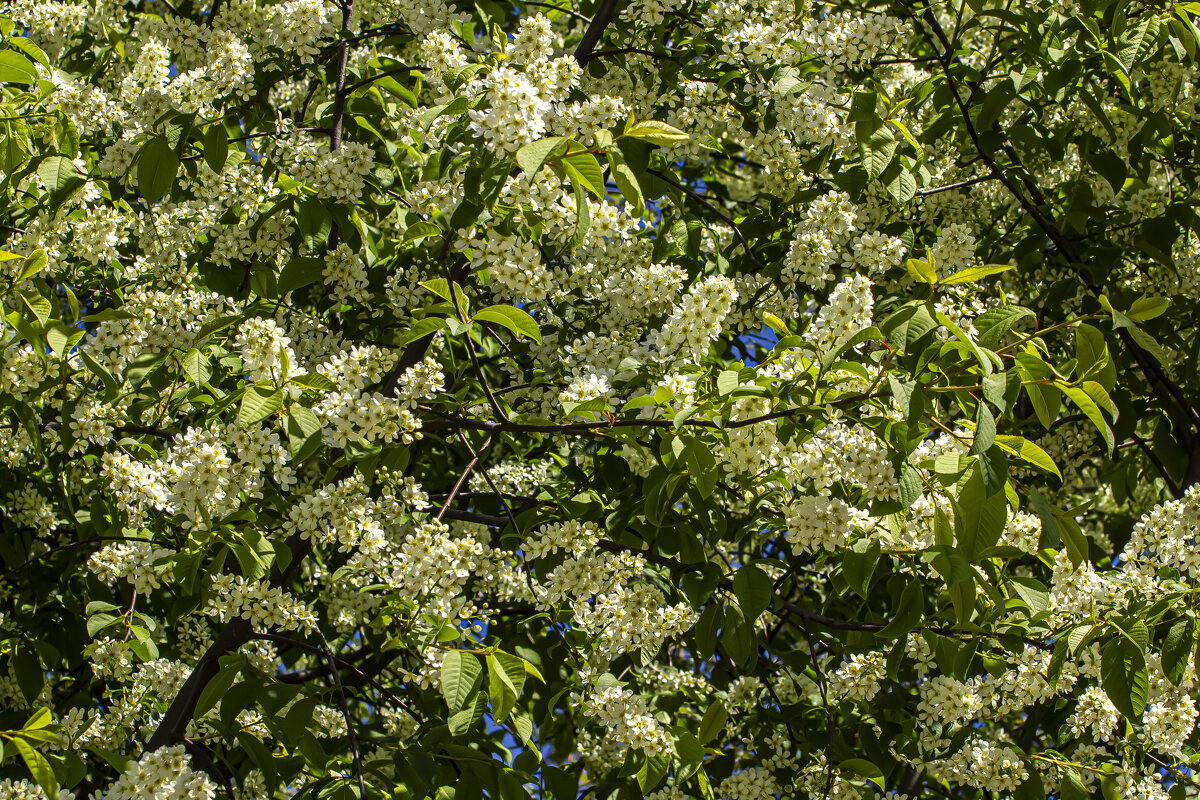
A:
(111, 658)
(262, 605)
(22, 371)
(985, 765)
(199, 477)
(336, 175)
(351, 413)
(358, 367)
(824, 228)
(849, 311)
(1095, 717)
(847, 39)
(843, 453)
(28, 509)
(575, 537)
(264, 348)
(628, 720)
(695, 322)
(431, 566)
(422, 381)
(859, 679)
(954, 248)
(514, 477)
(1166, 536)
(341, 514)
(132, 562)
(91, 422)
(27, 790)
(749, 784)
(821, 523)
(515, 266)
(947, 700)
(165, 774)
(297, 25)
(625, 620)
(520, 102)
(161, 320)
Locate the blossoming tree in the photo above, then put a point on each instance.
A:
(663, 398)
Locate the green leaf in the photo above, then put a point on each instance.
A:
(1091, 355)
(1147, 308)
(258, 403)
(921, 271)
(304, 432)
(985, 430)
(1071, 785)
(515, 319)
(656, 133)
(878, 148)
(908, 614)
(39, 719)
(216, 688)
(858, 564)
(156, 167)
(58, 334)
(315, 222)
(979, 518)
(1035, 595)
(985, 358)
(426, 326)
(1176, 648)
(652, 772)
(702, 466)
(583, 169)
(583, 217)
(905, 326)
(216, 147)
(866, 769)
(39, 767)
(39, 305)
(29, 673)
(196, 366)
(506, 677)
(532, 156)
(462, 676)
(863, 106)
(713, 721)
(35, 263)
(1029, 452)
(902, 186)
(727, 381)
(972, 274)
(16, 68)
(1089, 408)
(58, 173)
(754, 590)
(626, 181)
(300, 271)
(422, 229)
(500, 690)
(1123, 675)
(690, 753)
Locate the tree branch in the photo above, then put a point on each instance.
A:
(595, 29)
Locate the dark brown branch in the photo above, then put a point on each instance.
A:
(952, 186)
(174, 723)
(1176, 490)
(595, 29)
(466, 472)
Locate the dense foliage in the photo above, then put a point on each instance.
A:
(671, 398)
